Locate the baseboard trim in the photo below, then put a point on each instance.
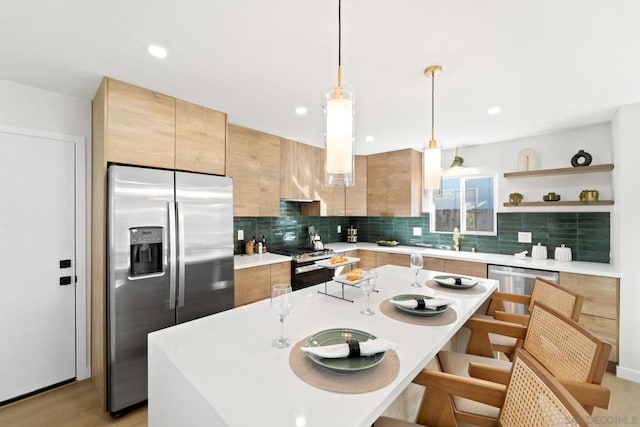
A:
(628, 374)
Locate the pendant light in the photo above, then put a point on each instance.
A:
(458, 162)
(432, 156)
(339, 127)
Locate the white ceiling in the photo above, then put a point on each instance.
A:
(550, 64)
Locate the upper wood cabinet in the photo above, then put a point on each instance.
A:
(253, 161)
(301, 171)
(140, 126)
(146, 128)
(356, 196)
(394, 186)
(201, 135)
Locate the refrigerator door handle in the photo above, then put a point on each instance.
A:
(171, 211)
(181, 255)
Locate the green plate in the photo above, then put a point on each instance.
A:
(339, 336)
(439, 280)
(426, 312)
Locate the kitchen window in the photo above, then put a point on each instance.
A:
(468, 203)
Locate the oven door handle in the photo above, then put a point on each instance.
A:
(308, 268)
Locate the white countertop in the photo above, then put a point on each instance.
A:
(581, 267)
(221, 370)
(257, 260)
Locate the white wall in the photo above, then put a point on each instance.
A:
(626, 234)
(33, 108)
(552, 151)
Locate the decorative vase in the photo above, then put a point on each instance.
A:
(515, 198)
(581, 158)
(589, 195)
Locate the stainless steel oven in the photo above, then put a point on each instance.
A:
(304, 270)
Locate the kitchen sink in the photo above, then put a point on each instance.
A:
(433, 246)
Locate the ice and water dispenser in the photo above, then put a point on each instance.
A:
(145, 251)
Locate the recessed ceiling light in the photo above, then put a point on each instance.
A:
(301, 110)
(157, 51)
(494, 110)
(369, 138)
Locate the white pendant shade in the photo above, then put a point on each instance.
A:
(432, 168)
(339, 137)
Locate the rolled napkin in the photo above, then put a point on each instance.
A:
(347, 349)
(430, 303)
(457, 281)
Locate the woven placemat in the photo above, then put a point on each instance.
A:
(476, 290)
(449, 316)
(353, 382)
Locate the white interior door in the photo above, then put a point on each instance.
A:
(37, 231)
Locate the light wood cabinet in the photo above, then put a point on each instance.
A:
(301, 172)
(253, 161)
(140, 126)
(394, 186)
(384, 258)
(356, 196)
(342, 201)
(600, 310)
(367, 259)
(201, 135)
(434, 264)
(254, 284)
(146, 128)
(465, 268)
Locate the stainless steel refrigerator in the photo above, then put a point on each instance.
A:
(170, 260)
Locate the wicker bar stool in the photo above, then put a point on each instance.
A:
(570, 352)
(488, 344)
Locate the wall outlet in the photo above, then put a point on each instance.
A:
(240, 234)
(339, 229)
(524, 237)
(417, 231)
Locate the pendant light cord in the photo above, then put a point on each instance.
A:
(339, 33)
(433, 81)
(339, 49)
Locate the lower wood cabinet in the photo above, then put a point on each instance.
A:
(367, 259)
(466, 268)
(600, 310)
(383, 258)
(254, 284)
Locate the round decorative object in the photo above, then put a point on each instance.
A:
(581, 158)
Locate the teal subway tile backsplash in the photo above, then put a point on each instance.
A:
(586, 233)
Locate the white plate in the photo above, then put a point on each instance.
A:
(441, 280)
(327, 262)
(343, 279)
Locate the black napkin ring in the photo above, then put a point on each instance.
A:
(421, 303)
(458, 280)
(354, 348)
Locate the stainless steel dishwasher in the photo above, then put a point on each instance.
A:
(518, 280)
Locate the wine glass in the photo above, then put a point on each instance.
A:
(281, 306)
(416, 263)
(368, 284)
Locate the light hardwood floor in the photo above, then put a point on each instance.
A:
(75, 405)
(72, 405)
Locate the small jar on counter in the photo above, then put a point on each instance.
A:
(249, 247)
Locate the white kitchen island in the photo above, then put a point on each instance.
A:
(221, 370)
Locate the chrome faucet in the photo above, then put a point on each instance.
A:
(456, 238)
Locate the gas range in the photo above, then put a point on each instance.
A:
(305, 255)
(304, 271)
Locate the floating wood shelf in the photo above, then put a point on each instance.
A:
(561, 171)
(559, 203)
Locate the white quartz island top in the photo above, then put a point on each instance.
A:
(221, 370)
